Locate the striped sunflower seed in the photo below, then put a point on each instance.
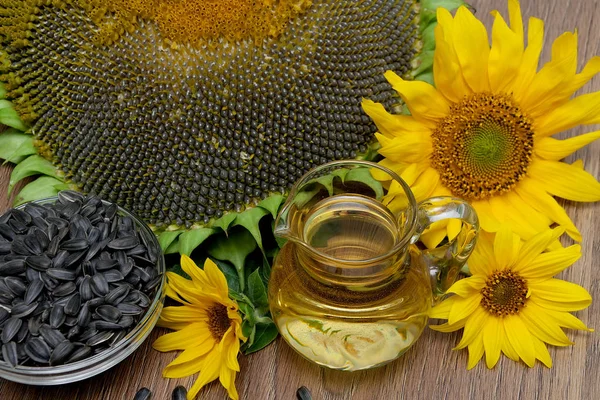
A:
(34, 290)
(38, 350)
(109, 313)
(143, 394)
(9, 353)
(52, 336)
(10, 329)
(61, 352)
(79, 354)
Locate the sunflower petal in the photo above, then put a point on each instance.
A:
(194, 353)
(559, 295)
(190, 336)
(547, 83)
(182, 370)
(442, 309)
(183, 314)
(433, 237)
(541, 352)
(413, 148)
(446, 68)
(423, 100)
(493, 333)
(463, 307)
(487, 219)
(208, 373)
(566, 181)
(537, 197)
(476, 351)
(535, 246)
(472, 53)
(473, 327)
(505, 54)
(548, 264)
(216, 278)
(516, 19)
(543, 327)
(505, 250)
(582, 110)
(531, 57)
(391, 125)
(468, 286)
(520, 338)
(482, 261)
(446, 327)
(190, 268)
(508, 349)
(567, 320)
(554, 149)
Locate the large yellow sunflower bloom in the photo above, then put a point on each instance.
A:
(484, 133)
(208, 325)
(511, 303)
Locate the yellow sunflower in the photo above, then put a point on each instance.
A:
(484, 133)
(511, 303)
(208, 325)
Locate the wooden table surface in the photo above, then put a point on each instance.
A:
(430, 369)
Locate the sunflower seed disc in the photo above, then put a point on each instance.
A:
(143, 394)
(9, 353)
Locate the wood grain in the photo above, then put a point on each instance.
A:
(430, 369)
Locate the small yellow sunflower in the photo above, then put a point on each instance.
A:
(484, 133)
(511, 303)
(208, 325)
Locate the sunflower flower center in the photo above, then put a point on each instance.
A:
(218, 321)
(505, 293)
(483, 147)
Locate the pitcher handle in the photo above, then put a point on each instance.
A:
(445, 262)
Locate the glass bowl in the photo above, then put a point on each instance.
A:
(98, 363)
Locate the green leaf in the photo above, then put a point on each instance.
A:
(428, 37)
(257, 293)
(9, 117)
(248, 329)
(188, 241)
(447, 4)
(32, 165)
(173, 248)
(364, 175)
(41, 188)
(272, 204)
(234, 249)
(12, 139)
(426, 77)
(426, 62)
(249, 219)
(427, 17)
(179, 271)
(15, 145)
(263, 335)
(233, 280)
(225, 221)
(165, 239)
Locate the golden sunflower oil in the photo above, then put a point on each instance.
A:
(345, 295)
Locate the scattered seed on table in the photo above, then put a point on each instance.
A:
(143, 394)
(303, 393)
(179, 393)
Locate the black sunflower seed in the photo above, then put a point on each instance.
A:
(73, 332)
(73, 305)
(5, 247)
(117, 337)
(15, 285)
(85, 289)
(61, 274)
(95, 302)
(52, 336)
(70, 196)
(33, 290)
(117, 295)
(303, 393)
(179, 393)
(12, 267)
(10, 329)
(49, 282)
(143, 394)
(84, 317)
(9, 353)
(34, 324)
(60, 223)
(79, 354)
(130, 309)
(42, 239)
(57, 316)
(153, 283)
(123, 243)
(4, 315)
(74, 244)
(52, 249)
(33, 244)
(99, 285)
(61, 352)
(108, 313)
(74, 258)
(39, 263)
(59, 260)
(88, 333)
(64, 289)
(7, 232)
(105, 325)
(23, 309)
(113, 276)
(103, 265)
(38, 350)
(99, 338)
(126, 321)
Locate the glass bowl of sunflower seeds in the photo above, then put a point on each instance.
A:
(81, 287)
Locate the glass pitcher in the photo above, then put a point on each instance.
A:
(350, 289)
